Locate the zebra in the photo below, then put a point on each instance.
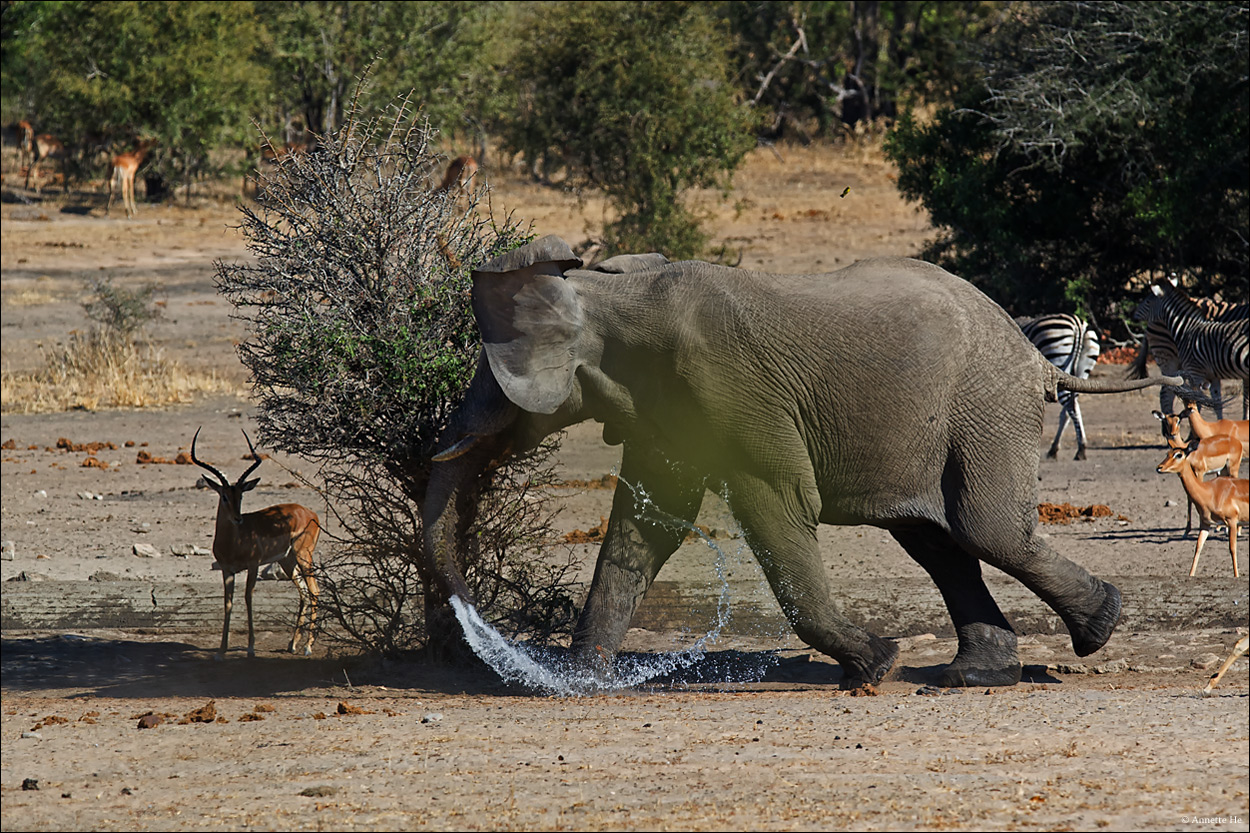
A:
(1157, 342)
(1203, 350)
(1072, 345)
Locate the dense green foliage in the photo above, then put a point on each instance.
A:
(633, 99)
(828, 64)
(1081, 144)
(102, 75)
(1106, 141)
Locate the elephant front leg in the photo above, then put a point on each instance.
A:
(651, 513)
(987, 644)
(781, 531)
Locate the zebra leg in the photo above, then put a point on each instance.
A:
(1079, 423)
(1063, 423)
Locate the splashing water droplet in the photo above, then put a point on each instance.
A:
(556, 674)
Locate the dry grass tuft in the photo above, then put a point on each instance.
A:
(100, 370)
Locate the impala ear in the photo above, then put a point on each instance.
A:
(530, 319)
(249, 485)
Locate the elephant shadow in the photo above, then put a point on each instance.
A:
(731, 667)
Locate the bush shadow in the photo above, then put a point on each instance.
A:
(74, 665)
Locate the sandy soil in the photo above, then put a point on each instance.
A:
(756, 737)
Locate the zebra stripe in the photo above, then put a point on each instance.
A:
(1206, 350)
(1072, 345)
(1157, 343)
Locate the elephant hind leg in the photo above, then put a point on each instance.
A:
(987, 644)
(1088, 606)
(784, 543)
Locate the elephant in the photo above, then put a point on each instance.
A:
(889, 393)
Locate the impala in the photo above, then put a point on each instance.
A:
(1224, 499)
(125, 166)
(459, 174)
(44, 146)
(286, 533)
(26, 144)
(1239, 428)
(1214, 453)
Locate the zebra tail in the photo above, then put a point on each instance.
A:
(1137, 370)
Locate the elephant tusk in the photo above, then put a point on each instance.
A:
(457, 450)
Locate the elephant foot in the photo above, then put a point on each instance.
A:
(596, 663)
(872, 669)
(986, 658)
(1093, 633)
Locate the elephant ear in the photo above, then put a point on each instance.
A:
(530, 319)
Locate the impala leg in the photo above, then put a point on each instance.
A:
(293, 570)
(310, 584)
(1238, 649)
(298, 577)
(227, 580)
(1202, 539)
(247, 597)
(1232, 544)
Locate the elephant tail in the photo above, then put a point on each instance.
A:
(1058, 380)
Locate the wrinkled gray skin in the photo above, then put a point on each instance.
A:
(889, 393)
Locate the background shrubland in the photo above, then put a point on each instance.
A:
(1063, 149)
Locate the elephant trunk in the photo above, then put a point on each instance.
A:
(443, 520)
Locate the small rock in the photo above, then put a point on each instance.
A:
(25, 576)
(146, 551)
(90, 496)
(322, 791)
(30, 784)
(928, 691)
(41, 493)
(104, 575)
(150, 721)
(185, 550)
(1069, 668)
(1115, 666)
(8, 551)
(32, 736)
(432, 717)
(1204, 662)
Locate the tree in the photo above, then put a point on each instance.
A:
(362, 342)
(100, 75)
(1107, 141)
(317, 50)
(633, 99)
(827, 64)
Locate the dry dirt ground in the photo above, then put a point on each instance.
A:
(756, 737)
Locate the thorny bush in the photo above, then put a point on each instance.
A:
(362, 340)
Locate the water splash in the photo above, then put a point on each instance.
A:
(555, 673)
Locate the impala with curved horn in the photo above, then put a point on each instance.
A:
(286, 533)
